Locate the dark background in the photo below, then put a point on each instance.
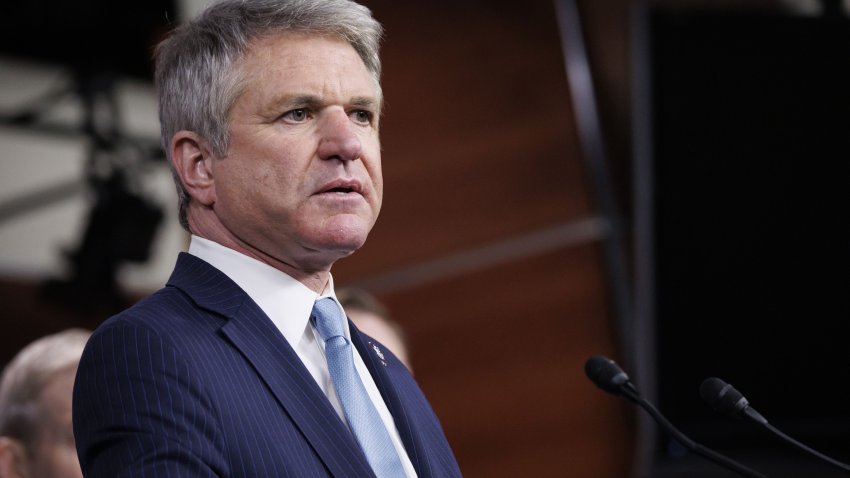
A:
(752, 247)
(91, 36)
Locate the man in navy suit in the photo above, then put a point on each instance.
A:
(270, 112)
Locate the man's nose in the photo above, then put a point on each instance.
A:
(339, 139)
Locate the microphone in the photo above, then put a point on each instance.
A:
(725, 399)
(608, 376)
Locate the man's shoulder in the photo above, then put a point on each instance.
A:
(168, 311)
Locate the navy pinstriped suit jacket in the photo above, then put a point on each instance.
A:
(196, 381)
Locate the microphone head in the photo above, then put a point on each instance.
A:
(606, 374)
(723, 397)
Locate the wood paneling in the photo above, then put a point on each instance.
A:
(500, 354)
(29, 314)
(480, 148)
(478, 137)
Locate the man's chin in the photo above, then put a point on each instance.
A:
(338, 245)
(344, 248)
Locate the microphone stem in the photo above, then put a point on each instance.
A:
(814, 452)
(690, 444)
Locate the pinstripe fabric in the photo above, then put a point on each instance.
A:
(196, 381)
(416, 422)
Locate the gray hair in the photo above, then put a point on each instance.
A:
(197, 74)
(28, 374)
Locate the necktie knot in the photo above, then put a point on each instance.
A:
(328, 318)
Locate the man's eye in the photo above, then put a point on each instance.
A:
(296, 116)
(362, 116)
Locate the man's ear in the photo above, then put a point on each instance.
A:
(13, 459)
(192, 159)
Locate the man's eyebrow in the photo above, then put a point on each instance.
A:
(313, 102)
(365, 102)
(285, 102)
(301, 101)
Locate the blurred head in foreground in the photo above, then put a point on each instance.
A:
(36, 437)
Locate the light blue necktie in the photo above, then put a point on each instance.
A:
(363, 418)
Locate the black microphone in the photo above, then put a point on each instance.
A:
(608, 376)
(725, 399)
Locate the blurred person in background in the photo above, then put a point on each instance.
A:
(36, 436)
(374, 320)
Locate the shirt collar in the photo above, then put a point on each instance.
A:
(286, 301)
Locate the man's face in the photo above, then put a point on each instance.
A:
(55, 455)
(301, 181)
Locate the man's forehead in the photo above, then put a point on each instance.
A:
(268, 43)
(294, 52)
(301, 69)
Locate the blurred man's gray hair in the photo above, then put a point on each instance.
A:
(26, 376)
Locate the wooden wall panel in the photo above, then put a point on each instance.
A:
(500, 353)
(478, 137)
(480, 147)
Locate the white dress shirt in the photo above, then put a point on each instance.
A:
(288, 304)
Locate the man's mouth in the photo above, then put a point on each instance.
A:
(341, 187)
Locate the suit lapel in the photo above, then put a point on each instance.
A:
(383, 371)
(261, 343)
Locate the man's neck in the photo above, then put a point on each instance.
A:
(316, 280)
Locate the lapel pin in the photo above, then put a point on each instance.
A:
(379, 353)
